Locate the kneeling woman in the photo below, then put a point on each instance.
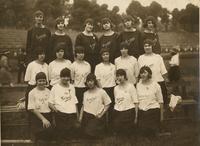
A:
(150, 103)
(126, 105)
(95, 104)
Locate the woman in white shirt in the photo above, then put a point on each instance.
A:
(126, 105)
(150, 103)
(79, 71)
(95, 104)
(157, 66)
(33, 68)
(58, 64)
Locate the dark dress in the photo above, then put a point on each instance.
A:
(37, 37)
(152, 36)
(90, 44)
(133, 38)
(110, 42)
(66, 41)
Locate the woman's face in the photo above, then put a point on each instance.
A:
(150, 24)
(107, 26)
(80, 56)
(89, 27)
(120, 79)
(90, 84)
(41, 83)
(65, 80)
(124, 52)
(148, 48)
(128, 24)
(39, 19)
(105, 56)
(41, 57)
(61, 25)
(60, 54)
(144, 75)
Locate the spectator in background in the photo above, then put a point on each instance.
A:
(89, 41)
(5, 72)
(150, 32)
(132, 37)
(174, 70)
(60, 37)
(109, 39)
(21, 58)
(38, 35)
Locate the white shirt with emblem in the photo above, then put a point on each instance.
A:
(130, 65)
(156, 63)
(63, 98)
(94, 101)
(38, 100)
(105, 73)
(79, 72)
(125, 97)
(149, 96)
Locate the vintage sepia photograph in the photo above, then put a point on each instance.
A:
(99, 73)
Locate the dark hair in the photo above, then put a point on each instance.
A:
(121, 72)
(130, 18)
(124, 45)
(79, 49)
(59, 46)
(104, 49)
(149, 18)
(143, 69)
(106, 20)
(40, 75)
(58, 20)
(38, 13)
(39, 51)
(148, 41)
(65, 72)
(89, 20)
(92, 77)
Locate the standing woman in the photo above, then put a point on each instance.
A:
(150, 32)
(109, 39)
(58, 64)
(126, 105)
(157, 66)
(61, 37)
(89, 41)
(150, 103)
(95, 104)
(38, 36)
(132, 37)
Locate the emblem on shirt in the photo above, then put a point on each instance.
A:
(90, 100)
(106, 45)
(129, 41)
(66, 96)
(119, 100)
(40, 37)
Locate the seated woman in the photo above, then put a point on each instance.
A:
(95, 104)
(150, 103)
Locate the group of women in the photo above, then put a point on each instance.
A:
(116, 81)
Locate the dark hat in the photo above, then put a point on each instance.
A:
(89, 20)
(59, 19)
(60, 46)
(40, 75)
(65, 72)
(79, 49)
(103, 50)
(39, 51)
(148, 41)
(124, 45)
(105, 20)
(38, 13)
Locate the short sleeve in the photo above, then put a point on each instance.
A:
(72, 71)
(97, 72)
(73, 94)
(105, 97)
(31, 100)
(133, 93)
(158, 94)
(52, 96)
(28, 73)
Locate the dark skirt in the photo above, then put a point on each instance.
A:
(93, 126)
(164, 92)
(37, 129)
(79, 95)
(149, 121)
(174, 73)
(123, 121)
